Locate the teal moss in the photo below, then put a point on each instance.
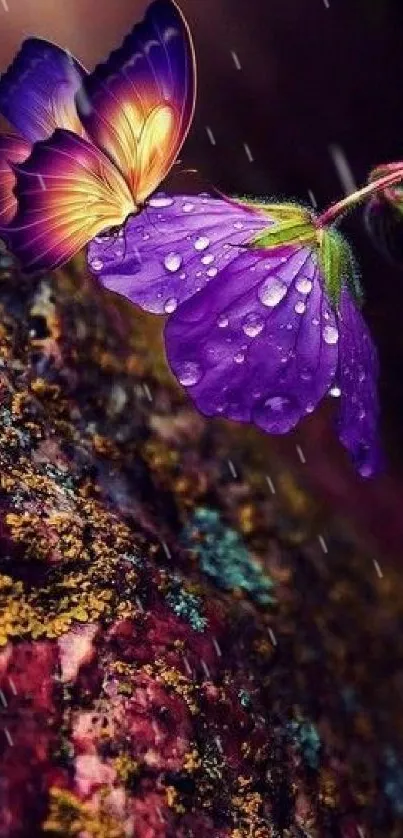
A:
(224, 557)
(185, 604)
(393, 780)
(306, 740)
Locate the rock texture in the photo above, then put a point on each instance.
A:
(182, 653)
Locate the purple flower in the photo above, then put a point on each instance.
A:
(264, 308)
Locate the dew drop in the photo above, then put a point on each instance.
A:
(189, 373)
(212, 272)
(97, 264)
(300, 307)
(161, 201)
(173, 262)
(239, 358)
(222, 321)
(271, 292)
(170, 305)
(330, 335)
(252, 326)
(277, 403)
(303, 285)
(188, 207)
(208, 259)
(201, 243)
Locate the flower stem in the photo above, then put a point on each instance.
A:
(330, 215)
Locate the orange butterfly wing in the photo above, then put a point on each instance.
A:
(138, 106)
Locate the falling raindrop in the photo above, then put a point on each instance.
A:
(330, 335)
(173, 262)
(271, 292)
(189, 373)
(201, 243)
(170, 305)
(160, 201)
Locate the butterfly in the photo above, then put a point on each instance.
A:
(264, 311)
(91, 148)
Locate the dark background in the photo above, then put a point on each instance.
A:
(313, 75)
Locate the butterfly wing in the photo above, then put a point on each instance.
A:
(259, 343)
(12, 150)
(173, 248)
(67, 191)
(138, 106)
(38, 89)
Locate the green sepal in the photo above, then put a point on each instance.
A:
(291, 225)
(338, 266)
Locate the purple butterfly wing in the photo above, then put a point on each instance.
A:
(174, 248)
(37, 91)
(259, 343)
(359, 410)
(138, 105)
(12, 150)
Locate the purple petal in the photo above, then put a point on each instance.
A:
(173, 248)
(359, 409)
(260, 343)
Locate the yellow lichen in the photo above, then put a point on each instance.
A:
(68, 817)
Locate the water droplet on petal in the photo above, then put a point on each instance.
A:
(222, 321)
(277, 403)
(212, 272)
(182, 276)
(201, 243)
(238, 225)
(239, 358)
(330, 335)
(271, 292)
(170, 305)
(252, 326)
(160, 201)
(300, 307)
(315, 321)
(289, 326)
(208, 259)
(310, 407)
(189, 373)
(97, 264)
(173, 262)
(335, 392)
(303, 285)
(188, 207)
(145, 236)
